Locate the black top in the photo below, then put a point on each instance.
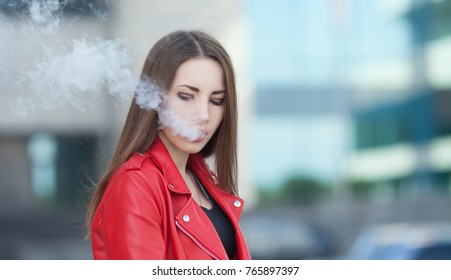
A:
(222, 223)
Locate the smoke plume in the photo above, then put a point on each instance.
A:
(41, 71)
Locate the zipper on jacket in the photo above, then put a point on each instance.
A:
(196, 241)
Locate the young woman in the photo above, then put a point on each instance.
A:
(158, 198)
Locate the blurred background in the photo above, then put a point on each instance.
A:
(344, 106)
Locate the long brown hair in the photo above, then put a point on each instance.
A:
(140, 128)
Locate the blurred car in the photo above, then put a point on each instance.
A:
(272, 237)
(402, 241)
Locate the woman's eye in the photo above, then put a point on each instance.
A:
(217, 101)
(184, 96)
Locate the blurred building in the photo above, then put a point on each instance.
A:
(302, 124)
(352, 93)
(403, 145)
(47, 155)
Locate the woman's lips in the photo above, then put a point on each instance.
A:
(203, 134)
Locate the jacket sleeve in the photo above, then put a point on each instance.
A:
(132, 219)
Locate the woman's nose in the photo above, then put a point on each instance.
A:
(201, 114)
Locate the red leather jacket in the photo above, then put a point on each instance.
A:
(147, 212)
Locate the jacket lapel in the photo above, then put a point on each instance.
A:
(193, 221)
(230, 204)
(188, 215)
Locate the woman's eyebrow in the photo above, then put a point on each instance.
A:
(190, 87)
(197, 90)
(218, 91)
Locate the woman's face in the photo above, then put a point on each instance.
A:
(196, 97)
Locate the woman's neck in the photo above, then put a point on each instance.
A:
(180, 158)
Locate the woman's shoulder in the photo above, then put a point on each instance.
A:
(141, 162)
(138, 166)
(137, 175)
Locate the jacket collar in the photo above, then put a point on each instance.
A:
(160, 155)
